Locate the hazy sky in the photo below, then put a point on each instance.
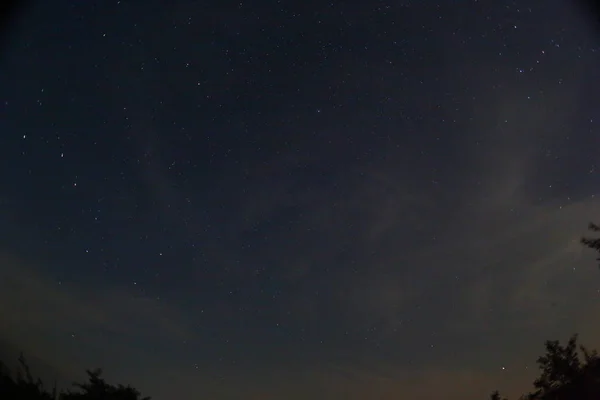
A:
(271, 199)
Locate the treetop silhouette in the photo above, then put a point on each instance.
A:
(564, 375)
(22, 386)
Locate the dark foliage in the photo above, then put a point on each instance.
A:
(564, 374)
(592, 243)
(567, 372)
(22, 386)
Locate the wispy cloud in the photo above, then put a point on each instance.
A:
(35, 307)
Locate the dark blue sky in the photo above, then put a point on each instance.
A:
(279, 199)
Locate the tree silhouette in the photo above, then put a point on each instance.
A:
(496, 396)
(560, 366)
(592, 243)
(564, 374)
(22, 386)
(97, 389)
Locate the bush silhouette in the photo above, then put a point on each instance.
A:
(22, 386)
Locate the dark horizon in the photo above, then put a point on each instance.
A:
(268, 199)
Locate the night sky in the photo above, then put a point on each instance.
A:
(282, 199)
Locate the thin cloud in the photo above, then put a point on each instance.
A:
(32, 303)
